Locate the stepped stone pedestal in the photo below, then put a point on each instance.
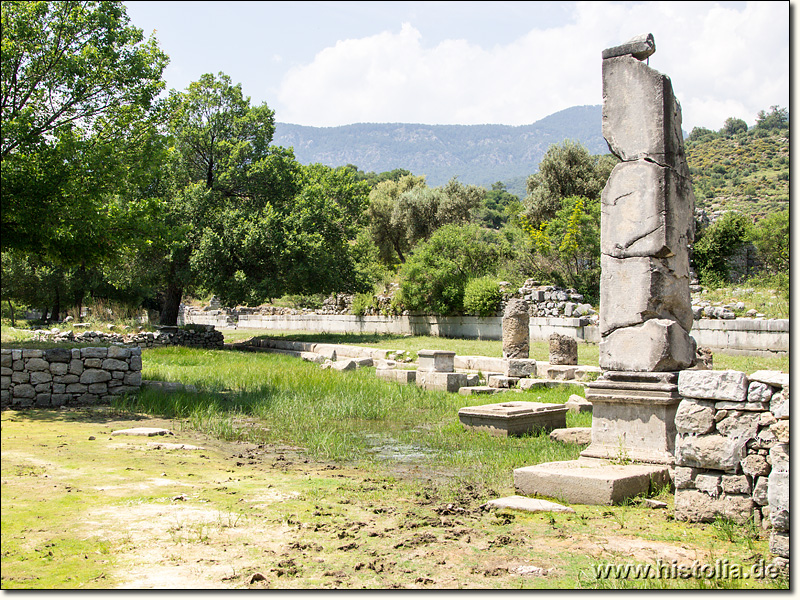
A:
(633, 417)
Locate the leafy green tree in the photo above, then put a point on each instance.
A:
(565, 170)
(434, 277)
(567, 247)
(389, 231)
(771, 238)
(482, 296)
(776, 118)
(78, 85)
(717, 244)
(732, 126)
(498, 206)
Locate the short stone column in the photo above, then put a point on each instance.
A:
(516, 329)
(563, 350)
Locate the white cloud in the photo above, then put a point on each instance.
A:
(723, 62)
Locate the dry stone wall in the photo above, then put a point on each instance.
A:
(196, 336)
(68, 377)
(732, 450)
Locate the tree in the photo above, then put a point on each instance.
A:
(390, 234)
(78, 83)
(732, 126)
(498, 206)
(434, 277)
(565, 170)
(717, 244)
(776, 118)
(771, 238)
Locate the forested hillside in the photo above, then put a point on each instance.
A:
(741, 169)
(477, 154)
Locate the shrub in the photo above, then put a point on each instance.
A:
(362, 302)
(434, 277)
(482, 297)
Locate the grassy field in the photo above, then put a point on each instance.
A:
(345, 481)
(588, 354)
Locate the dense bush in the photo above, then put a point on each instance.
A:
(434, 277)
(362, 302)
(482, 297)
(716, 244)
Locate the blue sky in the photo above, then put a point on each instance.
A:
(335, 63)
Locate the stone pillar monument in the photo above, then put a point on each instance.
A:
(647, 224)
(516, 329)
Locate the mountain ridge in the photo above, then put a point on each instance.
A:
(478, 154)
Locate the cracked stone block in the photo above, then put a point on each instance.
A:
(516, 329)
(656, 345)
(644, 213)
(635, 290)
(713, 385)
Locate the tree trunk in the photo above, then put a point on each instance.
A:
(11, 308)
(172, 302)
(56, 308)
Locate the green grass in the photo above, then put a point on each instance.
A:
(353, 416)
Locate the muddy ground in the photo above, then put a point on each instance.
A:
(83, 508)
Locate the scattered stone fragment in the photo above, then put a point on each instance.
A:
(528, 504)
(144, 431)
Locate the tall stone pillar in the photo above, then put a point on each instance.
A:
(646, 226)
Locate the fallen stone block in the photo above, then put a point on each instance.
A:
(560, 372)
(143, 431)
(520, 367)
(436, 361)
(481, 390)
(443, 382)
(501, 381)
(589, 481)
(532, 384)
(514, 418)
(397, 375)
(528, 504)
(578, 404)
(572, 435)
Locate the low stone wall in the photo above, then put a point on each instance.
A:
(732, 450)
(746, 336)
(195, 336)
(68, 377)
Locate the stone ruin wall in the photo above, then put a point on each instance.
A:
(68, 377)
(193, 336)
(732, 450)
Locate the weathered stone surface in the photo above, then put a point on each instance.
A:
(347, 364)
(641, 117)
(94, 375)
(563, 350)
(119, 352)
(572, 435)
(444, 382)
(397, 375)
(779, 405)
(57, 355)
(94, 352)
(760, 490)
(713, 385)
(779, 543)
(643, 215)
(113, 364)
(516, 329)
(501, 381)
(695, 506)
(589, 481)
(739, 423)
(778, 494)
(684, 477)
(781, 431)
(38, 377)
(712, 451)
(709, 484)
(640, 47)
(513, 418)
(59, 368)
(755, 465)
(521, 367)
(559, 372)
(24, 390)
(735, 484)
(435, 361)
(76, 366)
(773, 378)
(37, 364)
(759, 392)
(528, 504)
(695, 416)
(657, 345)
(578, 404)
(135, 361)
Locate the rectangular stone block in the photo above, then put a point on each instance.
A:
(716, 452)
(641, 117)
(714, 385)
(501, 381)
(514, 418)
(435, 361)
(397, 375)
(588, 481)
(521, 367)
(696, 506)
(560, 372)
(634, 290)
(441, 382)
(643, 214)
(656, 345)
